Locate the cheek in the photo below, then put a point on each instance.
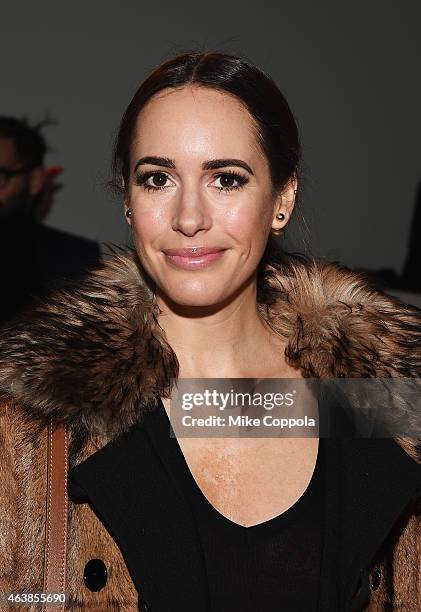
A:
(248, 223)
(148, 224)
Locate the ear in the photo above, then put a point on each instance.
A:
(37, 180)
(126, 208)
(126, 203)
(285, 202)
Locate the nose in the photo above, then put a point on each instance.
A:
(191, 213)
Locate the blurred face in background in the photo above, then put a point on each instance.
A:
(16, 192)
(198, 178)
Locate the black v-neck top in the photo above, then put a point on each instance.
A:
(271, 566)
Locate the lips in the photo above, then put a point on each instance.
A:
(193, 251)
(194, 257)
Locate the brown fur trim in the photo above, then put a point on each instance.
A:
(94, 356)
(91, 354)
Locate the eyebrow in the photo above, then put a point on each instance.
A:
(212, 164)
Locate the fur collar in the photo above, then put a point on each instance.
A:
(94, 356)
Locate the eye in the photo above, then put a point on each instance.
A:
(229, 181)
(152, 181)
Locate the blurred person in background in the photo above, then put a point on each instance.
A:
(34, 257)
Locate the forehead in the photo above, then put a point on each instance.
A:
(7, 152)
(195, 121)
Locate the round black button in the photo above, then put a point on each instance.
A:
(95, 574)
(375, 578)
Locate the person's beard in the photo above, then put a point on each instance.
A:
(18, 208)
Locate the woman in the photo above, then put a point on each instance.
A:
(208, 156)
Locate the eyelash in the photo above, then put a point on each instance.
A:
(141, 179)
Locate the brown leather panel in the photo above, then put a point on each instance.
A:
(56, 517)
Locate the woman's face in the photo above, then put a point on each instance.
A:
(199, 179)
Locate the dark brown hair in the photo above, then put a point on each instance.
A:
(30, 144)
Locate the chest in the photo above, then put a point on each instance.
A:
(250, 480)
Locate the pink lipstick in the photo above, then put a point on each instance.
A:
(193, 258)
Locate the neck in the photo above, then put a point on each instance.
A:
(211, 341)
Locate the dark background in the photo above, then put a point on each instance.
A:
(350, 71)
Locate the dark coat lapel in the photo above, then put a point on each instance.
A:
(378, 480)
(133, 493)
(370, 482)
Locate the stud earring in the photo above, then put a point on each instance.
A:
(128, 213)
(278, 231)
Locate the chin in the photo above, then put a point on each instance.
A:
(193, 294)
